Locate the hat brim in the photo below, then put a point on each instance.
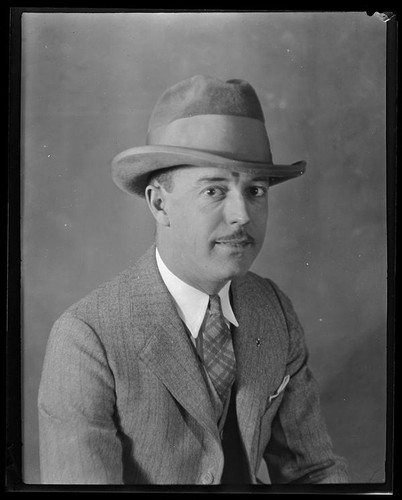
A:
(131, 168)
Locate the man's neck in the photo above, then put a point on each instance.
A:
(192, 303)
(207, 287)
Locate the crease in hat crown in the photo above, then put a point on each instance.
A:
(203, 95)
(206, 122)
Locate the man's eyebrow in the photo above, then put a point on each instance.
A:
(204, 180)
(261, 179)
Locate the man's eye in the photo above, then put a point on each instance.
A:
(257, 191)
(214, 191)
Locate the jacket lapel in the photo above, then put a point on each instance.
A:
(166, 347)
(259, 356)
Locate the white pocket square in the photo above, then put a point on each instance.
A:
(280, 388)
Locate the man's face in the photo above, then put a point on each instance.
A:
(216, 224)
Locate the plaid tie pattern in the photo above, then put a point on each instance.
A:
(219, 358)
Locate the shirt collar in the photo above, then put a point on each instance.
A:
(192, 303)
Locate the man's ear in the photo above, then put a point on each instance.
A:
(155, 197)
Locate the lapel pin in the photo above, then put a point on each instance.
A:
(258, 342)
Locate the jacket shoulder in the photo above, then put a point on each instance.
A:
(254, 285)
(117, 306)
(104, 296)
(262, 285)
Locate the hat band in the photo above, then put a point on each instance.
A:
(233, 136)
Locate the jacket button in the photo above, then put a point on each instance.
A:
(207, 478)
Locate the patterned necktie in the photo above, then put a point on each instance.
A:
(219, 358)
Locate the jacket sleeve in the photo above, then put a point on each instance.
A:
(300, 449)
(77, 432)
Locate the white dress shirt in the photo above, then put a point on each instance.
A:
(192, 303)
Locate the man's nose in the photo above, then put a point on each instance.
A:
(236, 210)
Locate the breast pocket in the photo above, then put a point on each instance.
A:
(277, 395)
(271, 408)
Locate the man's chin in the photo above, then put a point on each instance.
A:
(235, 268)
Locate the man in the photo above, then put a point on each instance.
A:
(187, 368)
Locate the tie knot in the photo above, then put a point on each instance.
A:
(215, 305)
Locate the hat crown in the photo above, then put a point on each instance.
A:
(204, 95)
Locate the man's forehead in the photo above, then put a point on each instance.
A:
(201, 174)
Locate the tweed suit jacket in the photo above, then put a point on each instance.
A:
(122, 398)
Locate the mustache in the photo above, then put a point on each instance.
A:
(240, 236)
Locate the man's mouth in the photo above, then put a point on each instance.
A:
(235, 242)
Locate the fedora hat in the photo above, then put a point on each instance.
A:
(203, 121)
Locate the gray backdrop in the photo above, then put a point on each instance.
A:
(89, 82)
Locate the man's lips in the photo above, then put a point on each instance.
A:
(235, 241)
